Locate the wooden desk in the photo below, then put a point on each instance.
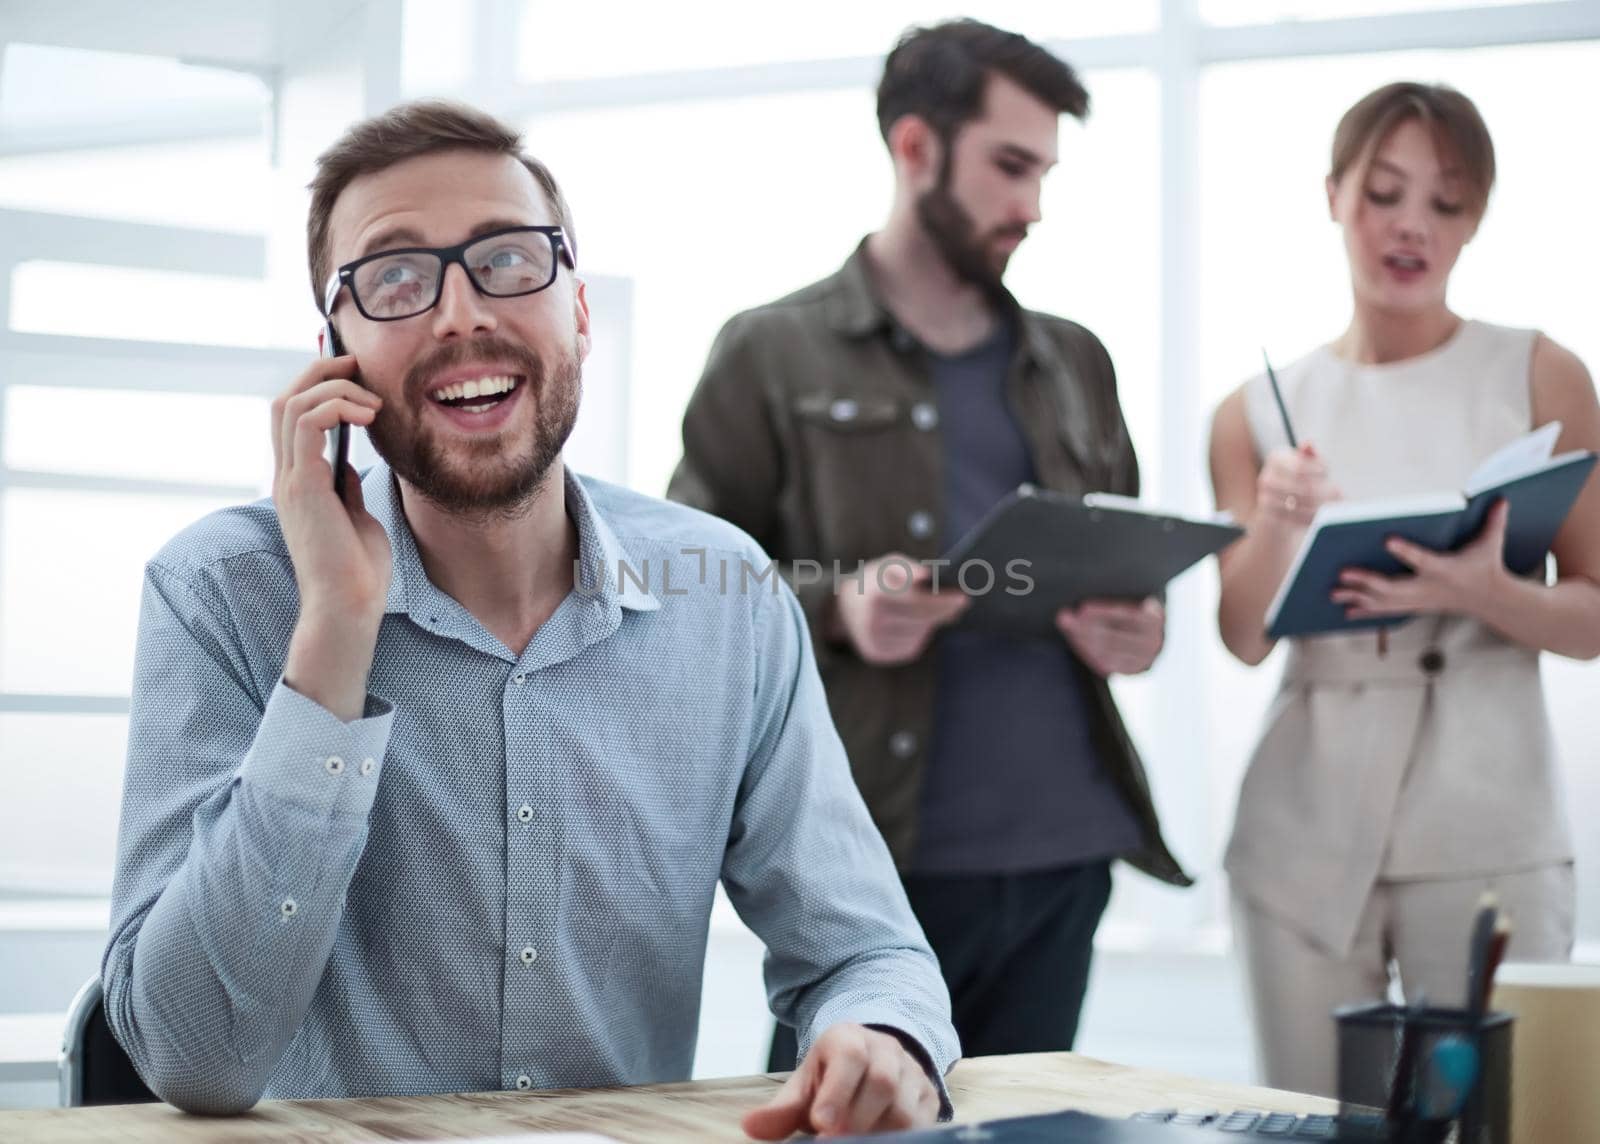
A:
(983, 1088)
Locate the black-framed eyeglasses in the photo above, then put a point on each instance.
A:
(506, 263)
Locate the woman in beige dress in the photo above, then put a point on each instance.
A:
(1398, 778)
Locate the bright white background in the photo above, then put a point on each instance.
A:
(717, 154)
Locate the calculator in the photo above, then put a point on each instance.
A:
(1163, 1126)
(1247, 1124)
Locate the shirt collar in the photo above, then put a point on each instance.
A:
(600, 554)
(855, 308)
(853, 305)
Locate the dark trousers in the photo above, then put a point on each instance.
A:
(1014, 950)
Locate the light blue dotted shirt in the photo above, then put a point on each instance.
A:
(502, 875)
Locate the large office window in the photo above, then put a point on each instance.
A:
(1240, 12)
(131, 233)
(627, 37)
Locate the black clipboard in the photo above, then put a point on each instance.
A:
(1072, 549)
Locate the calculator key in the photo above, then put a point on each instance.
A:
(1240, 1122)
(1277, 1124)
(1315, 1128)
(1159, 1115)
(1363, 1121)
(1195, 1118)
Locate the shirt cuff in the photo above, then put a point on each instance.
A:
(306, 755)
(925, 1059)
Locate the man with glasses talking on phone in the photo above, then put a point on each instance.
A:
(424, 792)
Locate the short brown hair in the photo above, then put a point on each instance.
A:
(939, 74)
(1458, 131)
(406, 131)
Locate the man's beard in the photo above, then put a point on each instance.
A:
(954, 235)
(499, 476)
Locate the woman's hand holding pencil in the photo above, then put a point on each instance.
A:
(1292, 485)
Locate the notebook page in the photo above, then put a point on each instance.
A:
(1516, 459)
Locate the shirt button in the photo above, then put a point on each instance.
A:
(524, 813)
(925, 415)
(288, 909)
(519, 680)
(528, 955)
(902, 744)
(920, 524)
(1431, 661)
(524, 1082)
(366, 766)
(334, 765)
(844, 410)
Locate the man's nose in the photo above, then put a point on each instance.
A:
(461, 311)
(1031, 208)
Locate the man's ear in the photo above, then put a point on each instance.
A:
(1332, 188)
(580, 313)
(916, 150)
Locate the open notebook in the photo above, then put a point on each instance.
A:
(1351, 534)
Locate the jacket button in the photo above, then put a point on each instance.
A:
(844, 409)
(1431, 661)
(925, 415)
(920, 524)
(902, 744)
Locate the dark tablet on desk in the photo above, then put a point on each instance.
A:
(1081, 1128)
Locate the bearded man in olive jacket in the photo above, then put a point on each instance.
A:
(865, 423)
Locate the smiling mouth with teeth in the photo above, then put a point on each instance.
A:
(1405, 262)
(475, 396)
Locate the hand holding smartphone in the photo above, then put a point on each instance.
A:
(337, 449)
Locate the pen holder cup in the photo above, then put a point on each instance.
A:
(1370, 1038)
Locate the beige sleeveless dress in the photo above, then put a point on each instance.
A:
(1434, 760)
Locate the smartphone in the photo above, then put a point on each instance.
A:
(337, 448)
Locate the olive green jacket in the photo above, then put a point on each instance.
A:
(815, 429)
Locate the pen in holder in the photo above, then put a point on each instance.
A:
(1436, 1078)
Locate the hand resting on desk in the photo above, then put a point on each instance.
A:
(853, 1080)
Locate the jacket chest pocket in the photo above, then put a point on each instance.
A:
(857, 453)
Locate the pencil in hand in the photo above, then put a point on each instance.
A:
(1277, 395)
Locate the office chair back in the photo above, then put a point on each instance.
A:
(94, 1068)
